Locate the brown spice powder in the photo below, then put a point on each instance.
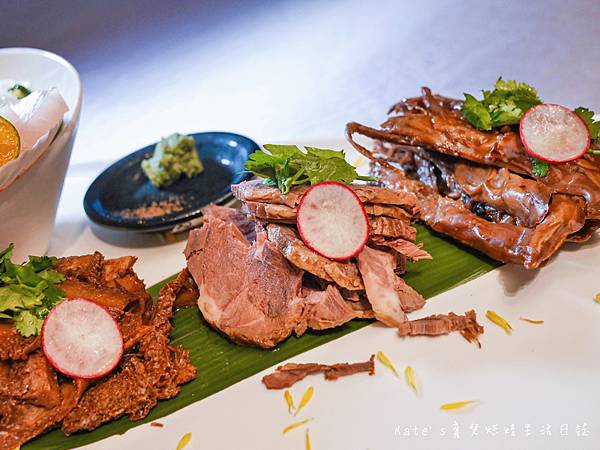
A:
(153, 209)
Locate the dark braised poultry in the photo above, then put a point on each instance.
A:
(478, 186)
(34, 398)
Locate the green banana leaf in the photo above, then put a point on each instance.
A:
(221, 363)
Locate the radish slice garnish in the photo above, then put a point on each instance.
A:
(81, 339)
(332, 220)
(554, 134)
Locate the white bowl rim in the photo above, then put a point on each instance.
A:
(69, 125)
(74, 117)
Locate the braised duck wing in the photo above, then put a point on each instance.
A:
(478, 186)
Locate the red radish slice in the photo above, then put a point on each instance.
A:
(81, 339)
(332, 220)
(554, 134)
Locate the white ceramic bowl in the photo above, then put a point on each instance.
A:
(28, 205)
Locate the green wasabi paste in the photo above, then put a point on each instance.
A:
(173, 156)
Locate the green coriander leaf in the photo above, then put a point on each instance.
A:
(476, 113)
(506, 113)
(286, 166)
(325, 154)
(539, 168)
(27, 324)
(53, 295)
(51, 276)
(505, 105)
(19, 91)
(5, 254)
(28, 291)
(39, 263)
(14, 298)
(588, 118)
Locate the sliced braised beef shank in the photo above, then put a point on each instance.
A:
(478, 186)
(260, 291)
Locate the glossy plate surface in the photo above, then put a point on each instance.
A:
(124, 186)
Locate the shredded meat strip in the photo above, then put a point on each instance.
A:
(439, 324)
(289, 374)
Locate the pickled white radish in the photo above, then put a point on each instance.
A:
(35, 115)
(81, 339)
(554, 133)
(332, 221)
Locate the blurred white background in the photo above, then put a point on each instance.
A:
(291, 70)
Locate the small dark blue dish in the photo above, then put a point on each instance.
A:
(123, 187)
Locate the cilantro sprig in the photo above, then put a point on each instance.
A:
(19, 91)
(594, 126)
(505, 105)
(28, 291)
(539, 168)
(286, 166)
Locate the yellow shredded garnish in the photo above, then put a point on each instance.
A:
(358, 161)
(495, 318)
(289, 400)
(537, 322)
(457, 405)
(305, 399)
(409, 374)
(296, 425)
(307, 440)
(597, 297)
(185, 440)
(386, 362)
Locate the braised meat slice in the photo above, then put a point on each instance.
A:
(443, 324)
(153, 373)
(35, 399)
(257, 191)
(111, 283)
(395, 228)
(234, 216)
(270, 211)
(344, 274)
(326, 309)
(388, 294)
(287, 375)
(287, 214)
(248, 291)
(336, 371)
(13, 345)
(30, 381)
(22, 421)
(412, 251)
(253, 291)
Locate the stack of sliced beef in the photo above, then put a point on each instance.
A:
(259, 282)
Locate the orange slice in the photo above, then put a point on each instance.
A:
(10, 143)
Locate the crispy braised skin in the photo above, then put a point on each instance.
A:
(34, 398)
(478, 186)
